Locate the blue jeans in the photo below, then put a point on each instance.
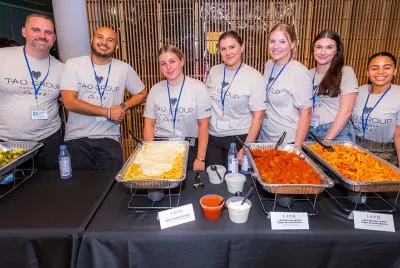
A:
(94, 154)
(347, 133)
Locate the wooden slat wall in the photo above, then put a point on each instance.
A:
(366, 27)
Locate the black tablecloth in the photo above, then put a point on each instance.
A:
(42, 221)
(119, 237)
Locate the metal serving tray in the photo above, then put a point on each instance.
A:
(290, 188)
(153, 183)
(31, 150)
(384, 186)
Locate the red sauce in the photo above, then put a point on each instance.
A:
(210, 207)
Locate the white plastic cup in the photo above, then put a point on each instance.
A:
(238, 213)
(235, 182)
(213, 176)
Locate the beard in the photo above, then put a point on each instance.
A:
(101, 54)
(42, 47)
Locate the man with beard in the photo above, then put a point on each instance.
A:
(92, 89)
(29, 90)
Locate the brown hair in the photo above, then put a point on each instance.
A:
(232, 34)
(171, 49)
(330, 84)
(290, 33)
(38, 15)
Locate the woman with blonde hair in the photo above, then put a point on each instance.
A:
(178, 107)
(289, 89)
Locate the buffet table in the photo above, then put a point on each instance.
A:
(119, 237)
(43, 220)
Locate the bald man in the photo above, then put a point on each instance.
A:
(29, 91)
(92, 89)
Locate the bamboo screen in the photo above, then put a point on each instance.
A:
(366, 27)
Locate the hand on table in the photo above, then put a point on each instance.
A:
(199, 165)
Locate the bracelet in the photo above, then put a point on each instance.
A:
(108, 113)
(201, 160)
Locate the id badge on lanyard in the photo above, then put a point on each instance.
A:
(315, 121)
(223, 125)
(38, 112)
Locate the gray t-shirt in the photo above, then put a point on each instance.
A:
(78, 76)
(291, 91)
(245, 94)
(17, 97)
(383, 119)
(326, 107)
(194, 104)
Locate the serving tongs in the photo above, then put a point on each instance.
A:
(135, 138)
(280, 141)
(248, 147)
(325, 147)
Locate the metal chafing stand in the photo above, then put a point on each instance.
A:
(19, 175)
(360, 196)
(284, 193)
(156, 187)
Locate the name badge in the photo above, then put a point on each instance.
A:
(223, 125)
(100, 118)
(289, 221)
(176, 216)
(38, 113)
(314, 120)
(373, 221)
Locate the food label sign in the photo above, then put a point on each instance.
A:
(176, 216)
(373, 221)
(289, 221)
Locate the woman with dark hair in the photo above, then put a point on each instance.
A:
(178, 107)
(288, 89)
(238, 100)
(335, 89)
(376, 114)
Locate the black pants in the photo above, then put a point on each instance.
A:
(47, 156)
(93, 154)
(218, 148)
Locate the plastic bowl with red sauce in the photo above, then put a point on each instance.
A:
(209, 204)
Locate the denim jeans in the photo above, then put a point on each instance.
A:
(347, 133)
(95, 154)
(386, 151)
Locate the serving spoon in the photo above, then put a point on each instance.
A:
(214, 168)
(247, 195)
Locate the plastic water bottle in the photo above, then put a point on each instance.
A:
(245, 167)
(232, 159)
(64, 160)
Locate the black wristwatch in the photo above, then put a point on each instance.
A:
(123, 106)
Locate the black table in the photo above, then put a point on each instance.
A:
(118, 237)
(43, 220)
